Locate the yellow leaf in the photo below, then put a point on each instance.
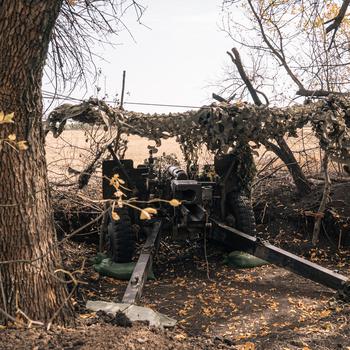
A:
(117, 178)
(119, 194)
(6, 118)
(115, 216)
(22, 145)
(325, 313)
(151, 210)
(182, 312)
(174, 202)
(248, 346)
(180, 336)
(116, 181)
(12, 137)
(87, 315)
(145, 215)
(9, 118)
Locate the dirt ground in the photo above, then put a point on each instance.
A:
(264, 306)
(260, 308)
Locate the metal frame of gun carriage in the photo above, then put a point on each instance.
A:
(213, 207)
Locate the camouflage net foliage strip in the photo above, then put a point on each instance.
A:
(221, 126)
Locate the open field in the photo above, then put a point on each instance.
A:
(75, 149)
(71, 145)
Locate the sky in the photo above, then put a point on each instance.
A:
(174, 61)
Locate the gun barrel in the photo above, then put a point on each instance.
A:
(177, 173)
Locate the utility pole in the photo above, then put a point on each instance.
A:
(123, 90)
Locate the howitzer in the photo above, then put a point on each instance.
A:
(213, 207)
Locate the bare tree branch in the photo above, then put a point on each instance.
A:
(336, 21)
(279, 54)
(79, 27)
(236, 59)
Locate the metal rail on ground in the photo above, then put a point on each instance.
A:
(138, 278)
(280, 257)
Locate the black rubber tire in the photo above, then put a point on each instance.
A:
(241, 208)
(121, 238)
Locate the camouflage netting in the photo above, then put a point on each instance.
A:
(221, 126)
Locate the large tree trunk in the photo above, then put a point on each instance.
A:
(26, 221)
(284, 152)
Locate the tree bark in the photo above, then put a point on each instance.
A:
(26, 222)
(284, 152)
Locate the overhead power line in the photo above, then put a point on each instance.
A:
(51, 95)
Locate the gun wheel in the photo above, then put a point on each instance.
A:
(240, 213)
(121, 238)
